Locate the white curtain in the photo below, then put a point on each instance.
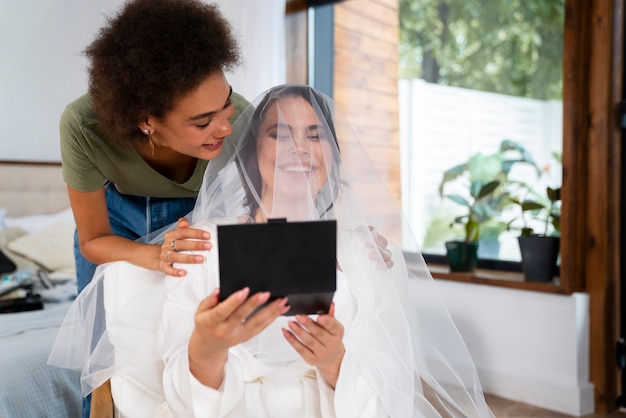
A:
(259, 26)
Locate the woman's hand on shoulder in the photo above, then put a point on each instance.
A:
(319, 343)
(221, 325)
(381, 252)
(183, 238)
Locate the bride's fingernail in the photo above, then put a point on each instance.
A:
(262, 297)
(243, 293)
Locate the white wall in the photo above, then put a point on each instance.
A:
(528, 346)
(260, 28)
(42, 67)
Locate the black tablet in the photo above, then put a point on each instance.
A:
(293, 259)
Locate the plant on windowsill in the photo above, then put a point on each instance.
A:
(540, 250)
(478, 187)
(462, 255)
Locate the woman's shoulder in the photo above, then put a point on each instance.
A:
(239, 103)
(80, 111)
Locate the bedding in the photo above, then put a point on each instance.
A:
(36, 233)
(28, 386)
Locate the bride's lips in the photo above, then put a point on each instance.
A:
(214, 146)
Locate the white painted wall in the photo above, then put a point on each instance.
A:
(42, 67)
(528, 346)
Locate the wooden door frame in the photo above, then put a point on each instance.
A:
(592, 86)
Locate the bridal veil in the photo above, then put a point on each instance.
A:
(401, 331)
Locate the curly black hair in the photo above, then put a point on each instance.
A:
(149, 54)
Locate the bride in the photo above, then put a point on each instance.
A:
(371, 355)
(386, 348)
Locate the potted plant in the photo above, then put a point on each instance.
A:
(540, 250)
(539, 239)
(462, 255)
(477, 186)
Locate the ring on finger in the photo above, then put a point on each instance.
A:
(167, 257)
(173, 245)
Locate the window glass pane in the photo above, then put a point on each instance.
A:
(480, 90)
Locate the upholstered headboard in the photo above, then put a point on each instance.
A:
(28, 188)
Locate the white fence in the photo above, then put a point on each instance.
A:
(442, 126)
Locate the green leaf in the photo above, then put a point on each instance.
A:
(458, 199)
(554, 194)
(475, 188)
(450, 175)
(460, 219)
(472, 231)
(488, 188)
(484, 168)
(531, 205)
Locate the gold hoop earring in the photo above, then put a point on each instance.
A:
(147, 132)
(151, 144)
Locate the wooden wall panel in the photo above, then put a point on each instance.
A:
(366, 75)
(296, 47)
(366, 83)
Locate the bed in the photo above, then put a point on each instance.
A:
(36, 234)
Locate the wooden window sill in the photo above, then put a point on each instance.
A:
(490, 272)
(512, 280)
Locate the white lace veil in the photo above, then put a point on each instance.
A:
(315, 168)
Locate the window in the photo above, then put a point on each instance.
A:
(475, 73)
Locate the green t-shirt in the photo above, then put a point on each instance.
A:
(89, 157)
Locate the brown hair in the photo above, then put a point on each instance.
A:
(151, 53)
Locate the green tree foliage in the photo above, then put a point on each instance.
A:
(511, 47)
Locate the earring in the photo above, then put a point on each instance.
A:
(151, 143)
(145, 131)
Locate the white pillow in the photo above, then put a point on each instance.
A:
(51, 247)
(34, 223)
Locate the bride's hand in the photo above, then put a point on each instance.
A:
(319, 343)
(183, 238)
(219, 326)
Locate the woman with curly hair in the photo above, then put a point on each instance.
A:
(135, 147)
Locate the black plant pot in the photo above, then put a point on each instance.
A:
(539, 255)
(462, 255)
